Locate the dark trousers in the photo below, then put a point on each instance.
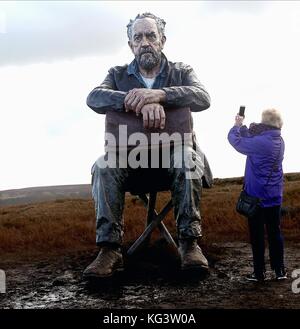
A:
(270, 218)
(109, 187)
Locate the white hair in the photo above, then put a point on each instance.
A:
(272, 117)
(159, 22)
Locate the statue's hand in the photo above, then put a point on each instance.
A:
(138, 97)
(153, 116)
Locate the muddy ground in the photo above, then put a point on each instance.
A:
(151, 280)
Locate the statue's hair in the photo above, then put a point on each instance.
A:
(159, 22)
(272, 117)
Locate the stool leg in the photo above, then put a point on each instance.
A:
(145, 199)
(150, 204)
(143, 237)
(150, 214)
(151, 207)
(166, 234)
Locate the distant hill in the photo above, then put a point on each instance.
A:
(44, 193)
(83, 191)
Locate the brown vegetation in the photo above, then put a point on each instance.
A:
(64, 225)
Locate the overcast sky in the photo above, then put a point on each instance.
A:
(53, 53)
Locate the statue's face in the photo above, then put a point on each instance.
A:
(146, 43)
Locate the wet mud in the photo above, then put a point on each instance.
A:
(152, 279)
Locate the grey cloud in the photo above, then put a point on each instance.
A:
(47, 31)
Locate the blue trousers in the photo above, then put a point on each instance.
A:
(268, 218)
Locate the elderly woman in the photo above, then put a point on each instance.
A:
(264, 147)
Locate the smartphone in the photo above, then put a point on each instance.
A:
(242, 111)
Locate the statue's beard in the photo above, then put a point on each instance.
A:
(148, 59)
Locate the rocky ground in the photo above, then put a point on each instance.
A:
(151, 280)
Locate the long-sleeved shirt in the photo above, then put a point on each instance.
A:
(178, 80)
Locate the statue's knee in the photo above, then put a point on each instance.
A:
(178, 174)
(183, 157)
(102, 170)
(98, 169)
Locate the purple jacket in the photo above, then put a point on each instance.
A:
(262, 151)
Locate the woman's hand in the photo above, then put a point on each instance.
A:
(239, 120)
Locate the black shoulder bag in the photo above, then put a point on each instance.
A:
(248, 205)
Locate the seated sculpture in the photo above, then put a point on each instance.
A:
(148, 106)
